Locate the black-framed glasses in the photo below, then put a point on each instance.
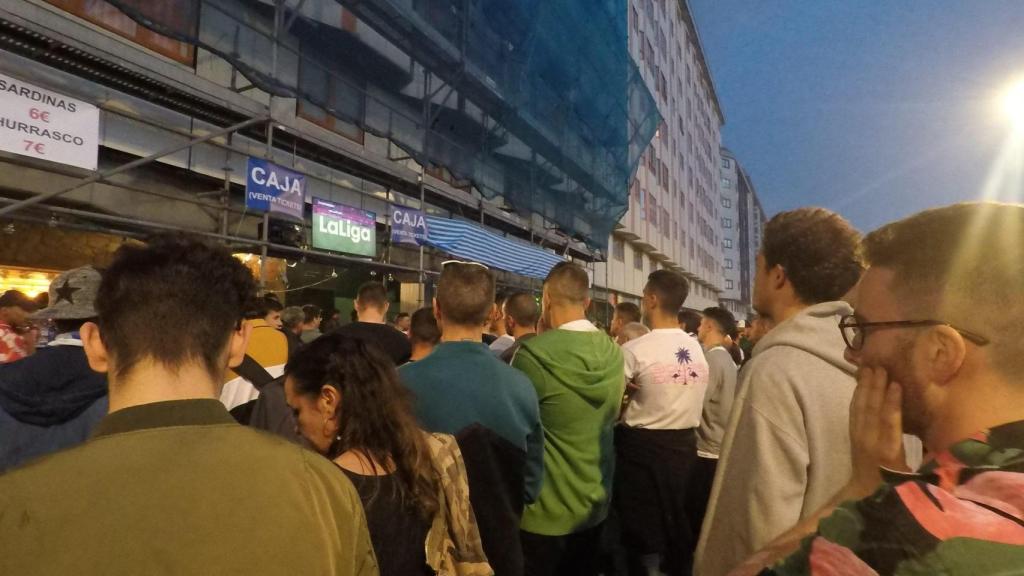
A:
(854, 330)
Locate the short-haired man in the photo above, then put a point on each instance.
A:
(271, 309)
(498, 328)
(424, 334)
(689, 321)
(371, 306)
(403, 322)
(786, 446)
(17, 340)
(311, 324)
(937, 338)
(716, 328)
(578, 374)
(292, 319)
(266, 353)
(521, 315)
(625, 313)
(462, 383)
(52, 400)
(170, 483)
(656, 445)
(631, 332)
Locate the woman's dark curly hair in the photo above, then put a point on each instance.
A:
(376, 415)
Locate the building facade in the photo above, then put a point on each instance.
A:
(361, 100)
(742, 222)
(674, 209)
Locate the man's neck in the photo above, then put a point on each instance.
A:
(370, 316)
(713, 341)
(455, 333)
(518, 333)
(785, 310)
(420, 350)
(562, 315)
(150, 382)
(659, 320)
(979, 405)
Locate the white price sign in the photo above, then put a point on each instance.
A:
(44, 124)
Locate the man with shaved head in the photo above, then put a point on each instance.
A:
(578, 374)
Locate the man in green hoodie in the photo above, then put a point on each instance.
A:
(579, 377)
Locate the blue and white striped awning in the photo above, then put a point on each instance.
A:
(469, 241)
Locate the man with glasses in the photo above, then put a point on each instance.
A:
(938, 339)
(786, 445)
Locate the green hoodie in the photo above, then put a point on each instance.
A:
(580, 380)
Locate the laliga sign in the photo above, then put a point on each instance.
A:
(344, 228)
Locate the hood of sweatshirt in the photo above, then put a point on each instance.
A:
(814, 330)
(51, 386)
(586, 363)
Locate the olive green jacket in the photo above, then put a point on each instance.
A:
(180, 488)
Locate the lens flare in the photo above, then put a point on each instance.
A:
(1013, 104)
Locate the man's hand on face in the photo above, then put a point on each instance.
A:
(876, 430)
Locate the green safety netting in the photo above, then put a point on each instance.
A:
(534, 101)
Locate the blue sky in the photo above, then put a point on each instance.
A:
(873, 108)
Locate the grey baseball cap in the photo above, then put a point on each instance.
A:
(72, 295)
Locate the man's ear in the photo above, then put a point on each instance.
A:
(944, 352)
(387, 305)
(777, 276)
(95, 350)
(238, 343)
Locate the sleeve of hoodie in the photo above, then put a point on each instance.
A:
(759, 490)
(534, 473)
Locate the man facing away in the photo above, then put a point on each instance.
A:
(462, 386)
(938, 340)
(292, 319)
(372, 305)
(577, 372)
(170, 483)
(462, 382)
(715, 328)
(656, 445)
(625, 313)
(311, 324)
(786, 447)
(52, 400)
(424, 334)
(521, 315)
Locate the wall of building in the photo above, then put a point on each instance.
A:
(674, 217)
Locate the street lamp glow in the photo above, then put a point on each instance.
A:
(1013, 104)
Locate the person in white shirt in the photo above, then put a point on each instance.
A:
(656, 442)
(716, 333)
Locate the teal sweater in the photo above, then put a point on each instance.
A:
(462, 383)
(580, 380)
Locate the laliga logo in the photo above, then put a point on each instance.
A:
(345, 229)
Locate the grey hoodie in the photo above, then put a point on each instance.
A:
(787, 447)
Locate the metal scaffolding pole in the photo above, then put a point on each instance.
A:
(100, 176)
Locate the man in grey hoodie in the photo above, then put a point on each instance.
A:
(787, 449)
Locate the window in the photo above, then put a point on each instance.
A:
(726, 183)
(638, 260)
(727, 242)
(643, 204)
(727, 223)
(619, 249)
(726, 202)
(728, 263)
(726, 163)
(729, 285)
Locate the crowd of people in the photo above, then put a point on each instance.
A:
(869, 420)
